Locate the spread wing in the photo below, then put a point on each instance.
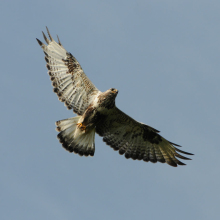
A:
(70, 83)
(136, 140)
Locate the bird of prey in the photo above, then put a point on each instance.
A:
(97, 113)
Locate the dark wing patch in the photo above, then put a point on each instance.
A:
(70, 83)
(136, 140)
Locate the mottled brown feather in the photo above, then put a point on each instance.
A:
(136, 140)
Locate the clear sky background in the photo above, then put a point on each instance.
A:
(163, 57)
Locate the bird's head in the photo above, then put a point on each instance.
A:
(108, 97)
(113, 91)
(111, 94)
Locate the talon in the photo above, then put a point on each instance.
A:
(81, 126)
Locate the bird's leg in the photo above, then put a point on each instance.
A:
(81, 126)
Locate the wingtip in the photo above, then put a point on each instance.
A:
(190, 154)
(175, 144)
(45, 38)
(39, 42)
(49, 34)
(181, 163)
(172, 164)
(184, 152)
(59, 41)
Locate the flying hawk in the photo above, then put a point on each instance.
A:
(97, 113)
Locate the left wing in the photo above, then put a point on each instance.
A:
(70, 83)
(136, 140)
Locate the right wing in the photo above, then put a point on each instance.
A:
(136, 140)
(70, 83)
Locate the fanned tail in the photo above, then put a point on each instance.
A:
(74, 139)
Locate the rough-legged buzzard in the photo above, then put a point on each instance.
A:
(97, 113)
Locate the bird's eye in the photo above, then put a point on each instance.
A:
(114, 91)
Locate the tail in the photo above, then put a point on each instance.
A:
(75, 140)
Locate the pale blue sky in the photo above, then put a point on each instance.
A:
(163, 57)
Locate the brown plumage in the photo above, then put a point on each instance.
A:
(97, 113)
